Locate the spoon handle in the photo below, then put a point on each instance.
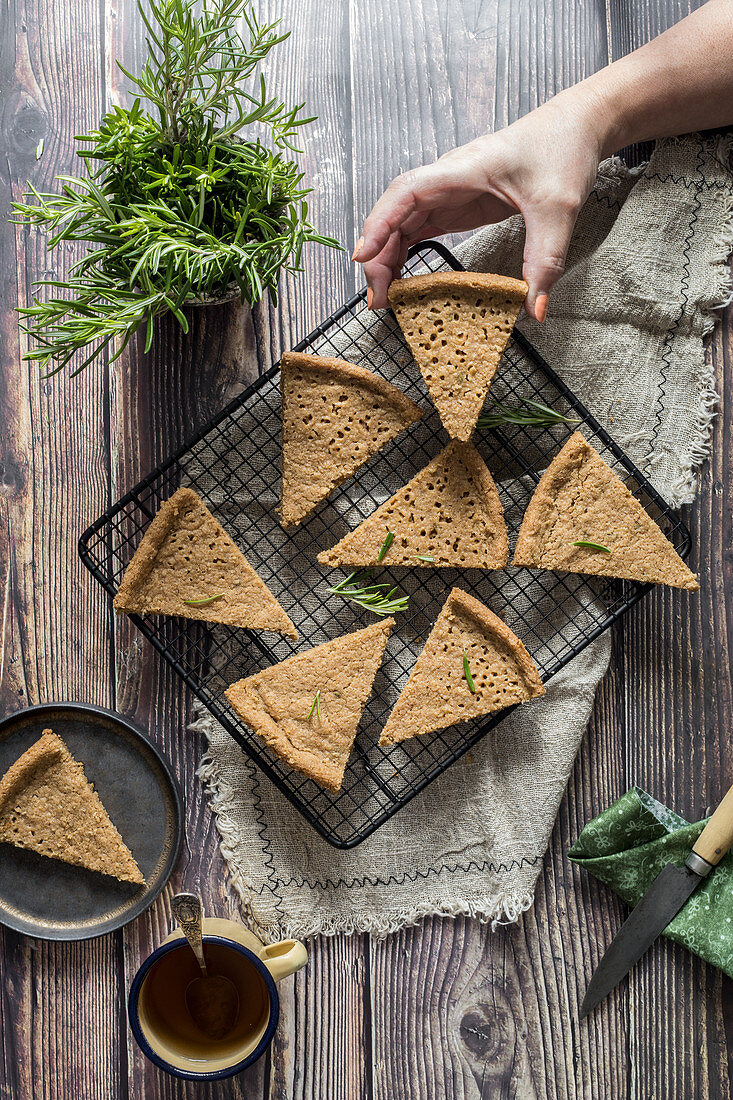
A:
(189, 912)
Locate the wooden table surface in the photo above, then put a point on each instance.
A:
(447, 1009)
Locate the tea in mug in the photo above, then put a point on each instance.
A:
(163, 1008)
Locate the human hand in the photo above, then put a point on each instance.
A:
(542, 166)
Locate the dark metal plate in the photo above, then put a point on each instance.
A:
(55, 901)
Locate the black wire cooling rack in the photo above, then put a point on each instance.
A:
(234, 464)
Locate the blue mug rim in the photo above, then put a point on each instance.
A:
(207, 1075)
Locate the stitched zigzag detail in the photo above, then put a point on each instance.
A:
(408, 876)
(699, 184)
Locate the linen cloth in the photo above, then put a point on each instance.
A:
(645, 273)
(627, 846)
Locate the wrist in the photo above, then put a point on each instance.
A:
(601, 114)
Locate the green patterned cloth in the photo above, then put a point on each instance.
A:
(628, 845)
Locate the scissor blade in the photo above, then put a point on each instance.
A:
(662, 901)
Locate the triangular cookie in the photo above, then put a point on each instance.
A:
(48, 806)
(447, 515)
(580, 499)
(184, 559)
(314, 735)
(457, 325)
(335, 416)
(438, 693)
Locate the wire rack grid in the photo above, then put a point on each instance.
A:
(234, 464)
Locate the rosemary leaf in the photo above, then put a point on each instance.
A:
(592, 545)
(385, 546)
(467, 674)
(205, 600)
(378, 598)
(424, 557)
(315, 706)
(533, 415)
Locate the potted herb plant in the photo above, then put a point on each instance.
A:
(190, 198)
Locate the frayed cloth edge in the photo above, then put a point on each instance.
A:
(683, 488)
(491, 909)
(494, 909)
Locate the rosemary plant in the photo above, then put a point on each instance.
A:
(183, 200)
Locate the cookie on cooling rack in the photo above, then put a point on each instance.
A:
(457, 325)
(335, 416)
(449, 514)
(307, 708)
(186, 564)
(472, 665)
(583, 519)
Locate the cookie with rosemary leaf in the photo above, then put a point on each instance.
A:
(472, 665)
(583, 519)
(307, 708)
(449, 514)
(186, 564)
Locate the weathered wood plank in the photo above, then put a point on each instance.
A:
(55, 457)
(677, 653)
(313, 67)
(677, 738)
(320, 1048)
(631, 25)
(156, 402)
(511, 1025)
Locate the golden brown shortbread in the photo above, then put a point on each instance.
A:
(438, 693)
(278, 703)
(457, 325)
(186, 554)
(449, 512)
(580, 499)
(48, 806)
(335, 417)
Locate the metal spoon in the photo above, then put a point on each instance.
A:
(211, 999)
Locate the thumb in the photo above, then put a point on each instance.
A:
(545, 249)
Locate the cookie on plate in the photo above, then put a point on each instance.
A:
(47, 805)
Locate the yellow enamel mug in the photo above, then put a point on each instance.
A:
(160, 1021)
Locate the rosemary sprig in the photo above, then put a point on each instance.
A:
(424, 557)
(205, 600)
(385, 545)
(378, 598)
(315, 706)
(176, 206)
(533, 415)
(592, 545)
(467, 674)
